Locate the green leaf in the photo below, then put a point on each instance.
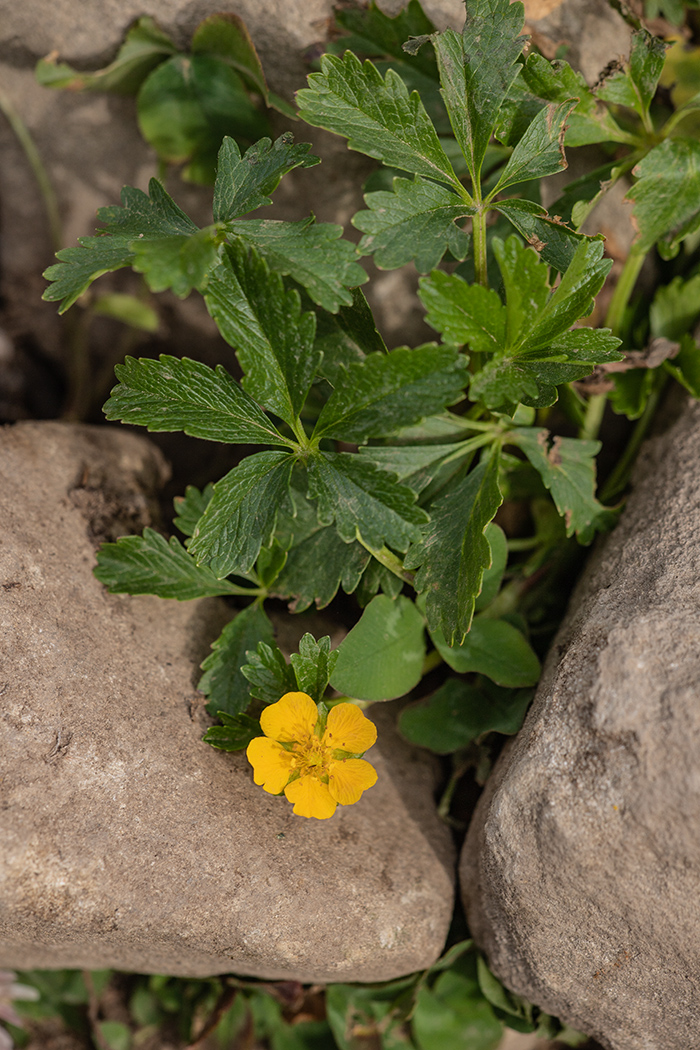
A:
(244, 183)
(493, 648)
(313, 665)
(667, 193)
(387, 391)
(223, 682)
(675, 308)
(464, 313)
(149, 564)
(382, 656)
(240, 518)
(416, 465)
(458, 713)
(263, 322)
(525, 283)
(555, 242)
(145, 46)
(453, 1014)
(115, 1035)
(453, 551)
(631, 392)
(314, 254)
(190, 507)
(317, 564)
(685, 367)
(377, 1010)
(635, 84)
(540, 151)
(269, 674)
(491, 580)
(377, 115)
(180, 394)
(188, 104)
(128, 309)
(415, 222)
(364, 502)
(372, 32)
(376, 578)
(476, 72)
(507, 1004)
(235, 734)
(567, 468)
(143, 217)
(181, 262)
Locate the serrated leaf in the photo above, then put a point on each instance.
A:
(180, 394)
(387, 391)
(453, 552)
(415, 222)
(476, 72)
(567, 468)
(313, 665)
(269, 674)
(675, 308)
(314, 254)
(666, 195)
(382, 656)
(464, 313)
(458, 713)
(190, 507)
(416, 465)
(150, 564)
(241, 515)
(145, 46)
(540, 152)
(526, 285)
(263, 322)
(377, 115)
(79, 266)
(188, 104)
(493, 648)
(317, 564)
(685, 367)
(235, 734)
(491, 580)
(364, 502)
(556, 243)
(346, 337)
(243, 183)
(454, 1014)
(223, 682)
(635, 84)
(375, 33)
(181, 262)
(375, 578)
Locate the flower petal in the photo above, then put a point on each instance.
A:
(347, 780)
(271, 764)
(291, 718)
(347, 729)
(311, 798)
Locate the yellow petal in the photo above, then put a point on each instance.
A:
(347, 780)
(311, 798)
(291, 718)
(347, 729)
(271, 764)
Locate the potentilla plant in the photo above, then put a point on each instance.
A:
(381, 471)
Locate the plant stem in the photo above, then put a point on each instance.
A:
(479, 238)
(617, 481)
(40, 174)
(389, 560)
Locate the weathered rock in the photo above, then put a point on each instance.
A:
(581, 871)
(128, 843)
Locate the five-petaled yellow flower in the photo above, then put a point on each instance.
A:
(317, 768)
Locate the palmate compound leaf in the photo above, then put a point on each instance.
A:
(150, 564)
(318, 563)
(240, 518)
(415, 222)
(268, 672)
(477, 69)
(554, 240)
(313, 665)
(365, 502)
(223, 682)
(263, 322)
(384, 392)
(190, 507)
(666, 195)
(377, 115)
(567, 468)
(634, 85)
(453, 552)
(243, 183)
(180, 394)
(540, 152)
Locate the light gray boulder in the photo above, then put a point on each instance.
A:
(125, 841)
(581, 871)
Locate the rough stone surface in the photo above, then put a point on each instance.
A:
(128, 843)
(582, 866)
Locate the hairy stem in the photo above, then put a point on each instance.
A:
(479, 238)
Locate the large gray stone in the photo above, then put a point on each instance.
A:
(581, 871)
(125, 841)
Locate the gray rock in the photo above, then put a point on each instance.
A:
(126, 841)
(581, 872)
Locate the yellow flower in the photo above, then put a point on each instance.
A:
(316, 767)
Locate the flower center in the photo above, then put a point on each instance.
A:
(311, 757)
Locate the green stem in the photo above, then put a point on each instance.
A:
(479, 238)
(617, 481)
(595, 409)
(40, 174)
(389, 560)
